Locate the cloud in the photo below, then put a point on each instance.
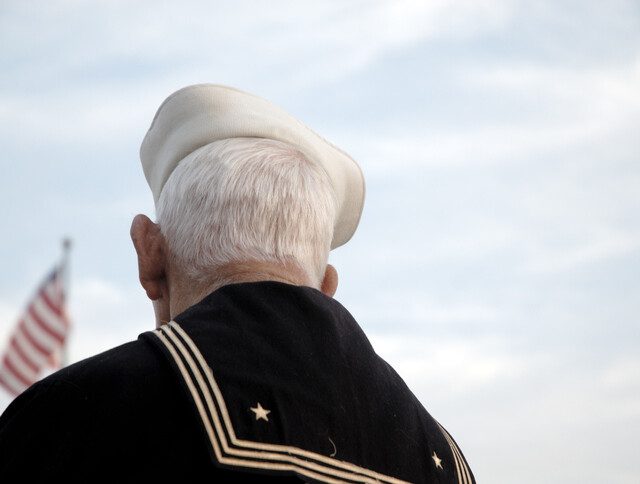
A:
(598, 246)
(566, 110)
(105, 315)
(349, 38)
(485, 146)
(621, 377)
(81, 117)
(422, 312)
(109, 84)
(452, 366)
(605, 90)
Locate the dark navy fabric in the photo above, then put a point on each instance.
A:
(127, 415)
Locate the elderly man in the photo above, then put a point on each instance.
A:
(254, 372)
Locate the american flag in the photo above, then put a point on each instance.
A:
(39, 337)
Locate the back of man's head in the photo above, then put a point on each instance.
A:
(245, 200)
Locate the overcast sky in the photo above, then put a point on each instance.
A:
(497, 263)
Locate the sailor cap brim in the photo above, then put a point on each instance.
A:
(198, 115)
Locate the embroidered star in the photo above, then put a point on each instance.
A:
(261, 413)
(437, 460)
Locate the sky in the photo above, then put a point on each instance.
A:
(497, 263)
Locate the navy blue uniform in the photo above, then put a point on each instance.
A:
(258, 382)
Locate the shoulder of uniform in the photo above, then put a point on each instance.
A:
(134, 358)
(110, 372)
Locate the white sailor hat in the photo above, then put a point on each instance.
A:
(198, 115)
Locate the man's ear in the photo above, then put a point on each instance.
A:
(330, 281)
(150, 247)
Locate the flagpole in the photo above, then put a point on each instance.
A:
(64, 269)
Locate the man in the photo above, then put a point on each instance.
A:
(254, 373)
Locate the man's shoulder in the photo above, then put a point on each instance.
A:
(108, 406)
(94, 380)
(115, 366)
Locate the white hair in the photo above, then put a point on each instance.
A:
(248, 199)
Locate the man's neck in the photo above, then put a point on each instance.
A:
(185, 292)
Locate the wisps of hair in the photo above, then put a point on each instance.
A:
(248, 199)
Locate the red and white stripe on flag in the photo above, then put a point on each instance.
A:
(39, 337)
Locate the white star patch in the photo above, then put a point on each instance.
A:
(261, 413)
(437, 460)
